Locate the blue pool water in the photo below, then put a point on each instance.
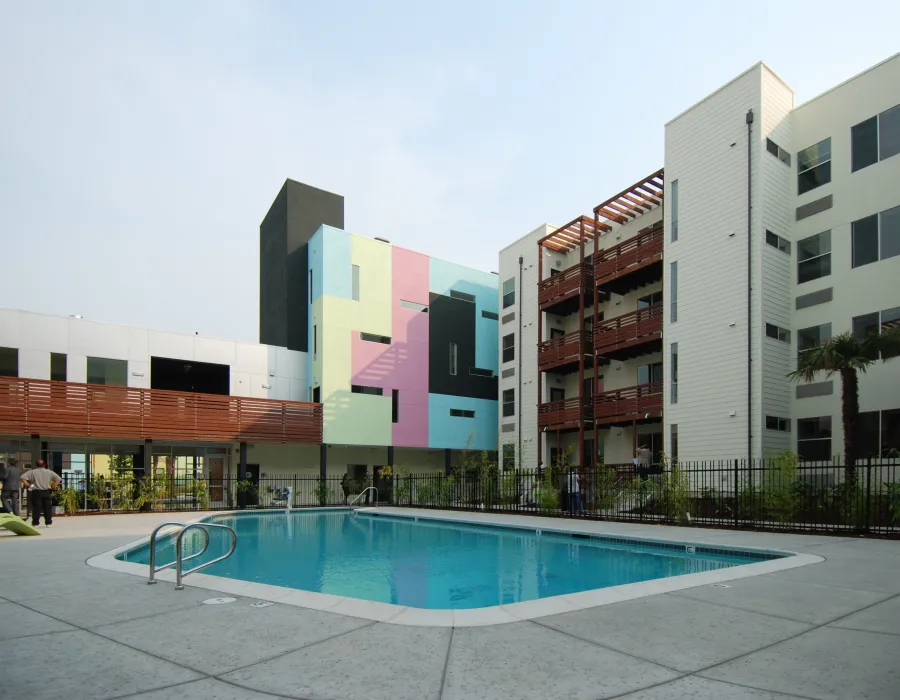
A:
(429, 564)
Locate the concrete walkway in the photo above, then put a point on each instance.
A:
(829, 630)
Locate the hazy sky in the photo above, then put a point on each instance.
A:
(141, 143)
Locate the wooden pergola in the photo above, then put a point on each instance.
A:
(567, 238)
(632, 202)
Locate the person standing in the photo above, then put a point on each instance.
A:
(644, 455)
(10, 481)
(345, 486)
(575, 493)
(41, 482)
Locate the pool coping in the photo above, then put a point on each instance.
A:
(471, 617)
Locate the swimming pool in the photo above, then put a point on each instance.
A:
(434, 564)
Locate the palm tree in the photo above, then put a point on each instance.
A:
(849, 356)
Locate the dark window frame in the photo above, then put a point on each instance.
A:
(778, 333)
(375, 338)
(822, 267)
(366, 390)
(509, 297)
(814, 171)
(461, 413)
(778, 242)
(509, 350)
(880, 233)
(777, 151)
(509, 403)
(811, 448)
(777, 423)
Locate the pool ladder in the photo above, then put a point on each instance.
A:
(361, 494)
(180, 573)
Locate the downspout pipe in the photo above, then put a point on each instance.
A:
(749, 289)
(519, 370)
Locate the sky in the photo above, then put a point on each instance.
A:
(141, 143)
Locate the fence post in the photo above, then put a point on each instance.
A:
(868, 493)
(736, 492)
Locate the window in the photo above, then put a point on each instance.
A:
(874, 323)
(509, 457)
(673, 438)
(481, 372)
(491, 315)
(650, 374)
(778, 152)
(370, 390)
(776, 423)
(58, 369)
(509, 347)
(108, 372)
(453, 359)
(868, 434)
(315, 341)
(875, 139)
(462, 296)
(650, 300)
(317, 394)
(814, 257)
(310, 285)
(814, 166)
(890, 433)
(459, 413)
(777, 241)
(876, 237)
(557, 394)
(674, 373)
(814, 438)
(588, 323)
(673, 290)
(373, 338)
(509, 292)
(509, 402)
(354, 283)
(556, 333)
(587, 387)
(813, 337)
(9, 362)
(864, 144)
(778, 333)
(395, 405)
(674, 195)
(413, 306)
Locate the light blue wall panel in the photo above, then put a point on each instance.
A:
(445, 430)
(445, 276)
(329, 259)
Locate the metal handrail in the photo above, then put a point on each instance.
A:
(153, 567)
(362, 493)
(179, 573)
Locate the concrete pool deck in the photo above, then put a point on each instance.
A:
(825, 630)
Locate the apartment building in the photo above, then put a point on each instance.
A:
(590, 324)
(673, 315)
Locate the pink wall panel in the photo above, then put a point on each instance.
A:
(412, 428)
(402, 365)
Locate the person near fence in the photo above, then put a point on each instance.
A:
(643, 457)
(40, 482)
(574, 485)
(10, 480)
(345, 486)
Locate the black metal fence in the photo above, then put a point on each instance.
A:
(777, 494)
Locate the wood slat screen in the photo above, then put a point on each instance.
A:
(35, 406)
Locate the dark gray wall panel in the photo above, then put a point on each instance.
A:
(806, 391)
(453, 321)
(823, 296)
(815, 207)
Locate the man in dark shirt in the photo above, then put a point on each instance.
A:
(10, 476)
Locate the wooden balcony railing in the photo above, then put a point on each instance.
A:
(567, 413)
(564, 350)
(630, 256)
(34, 406)
(562, 286)
(630, 403)
(629, 329)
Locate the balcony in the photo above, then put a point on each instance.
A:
(641, 404)
(34, 406)
(561, 354)
(631, 264)
(559, 293)
(630, 335)
(567, 414)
